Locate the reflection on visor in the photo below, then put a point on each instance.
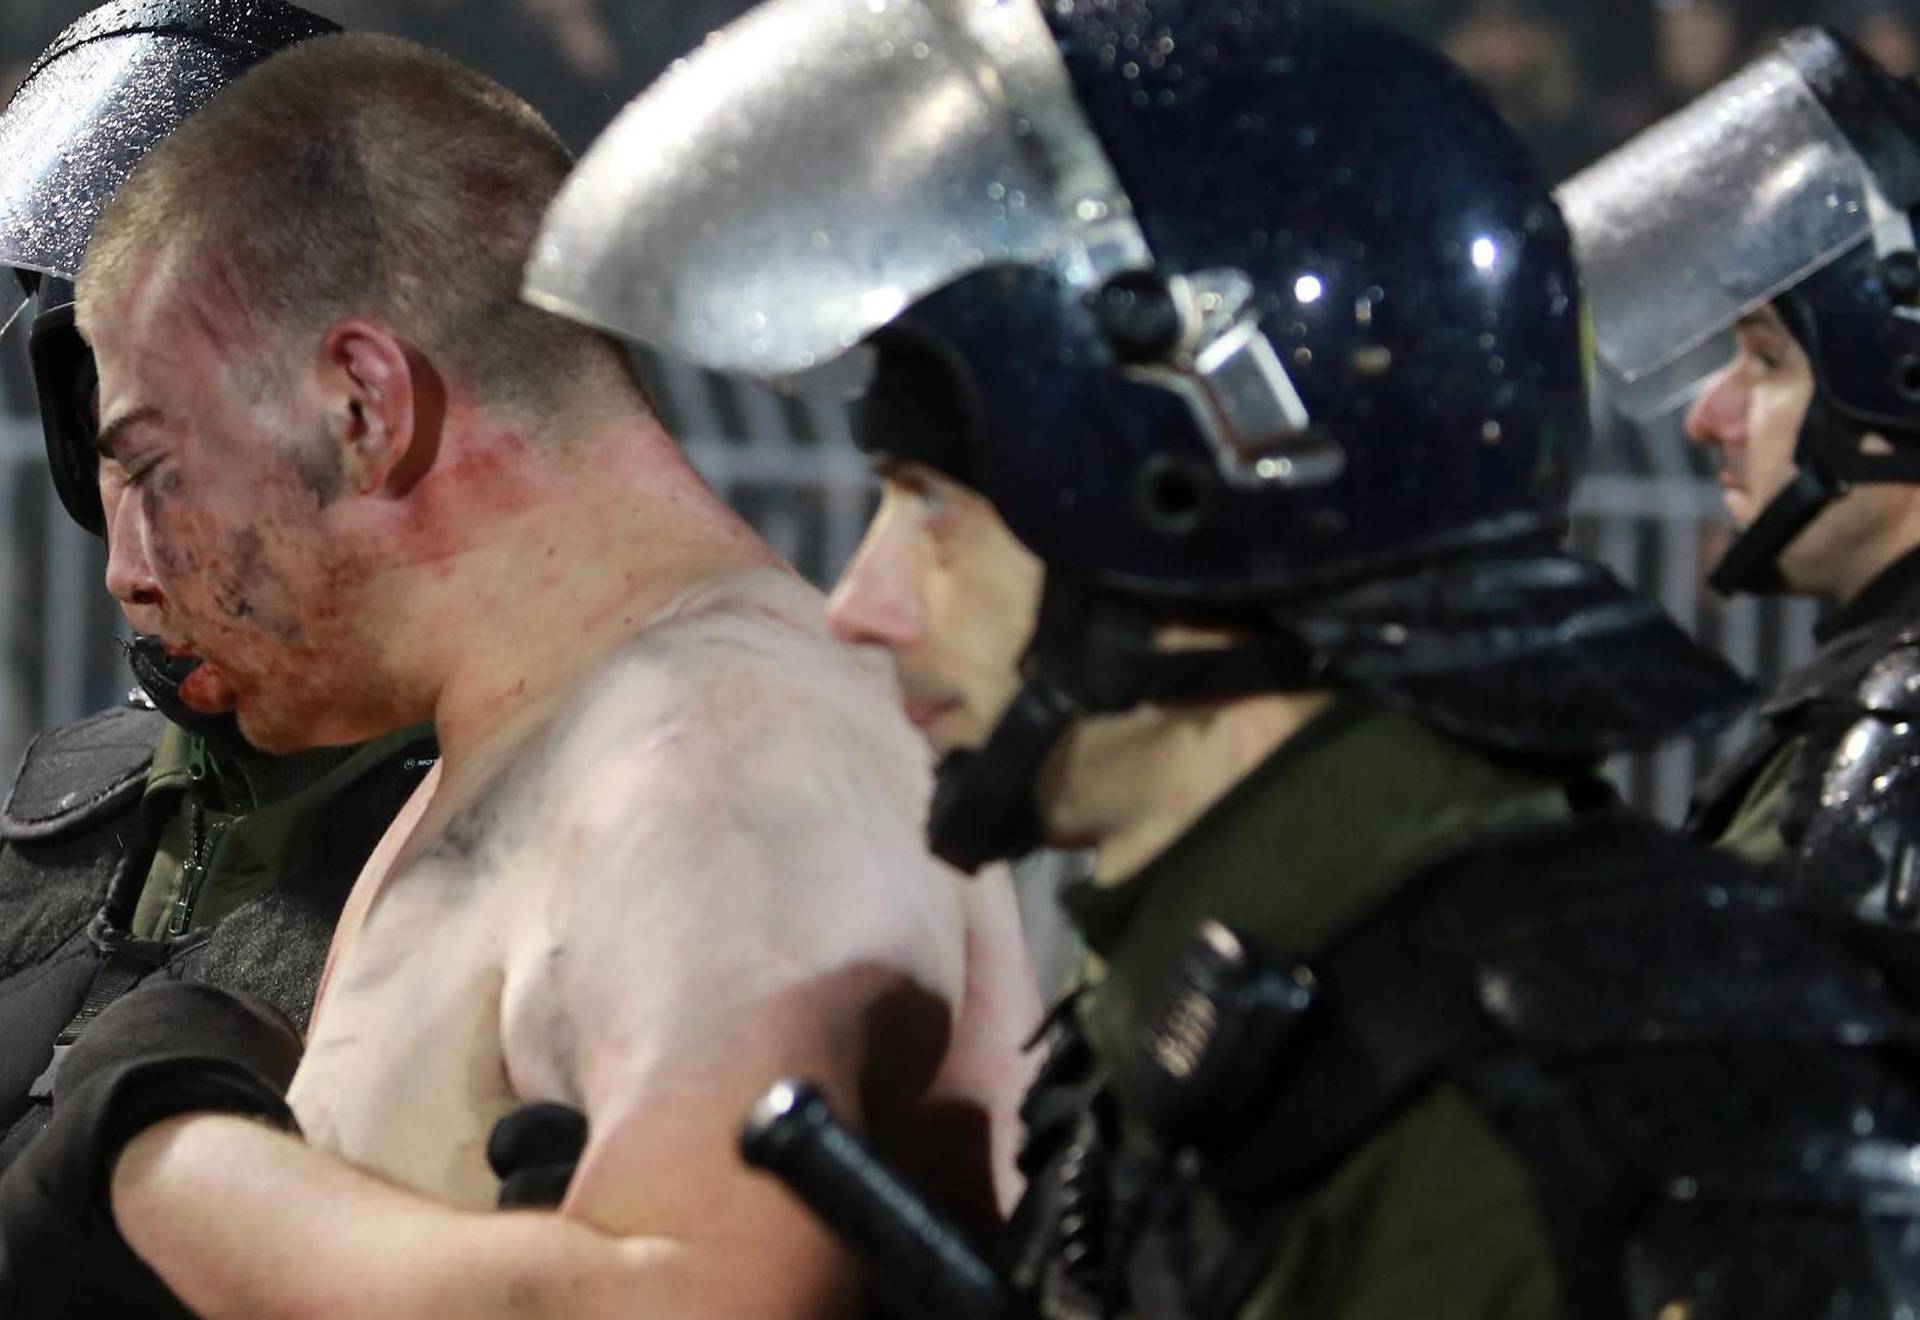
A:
(1704, 217)
(119, 79)
(1672, 388)
(817, 167)
(13, 314)
(74, 132)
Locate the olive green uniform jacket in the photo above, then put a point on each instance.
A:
(1433, 1217)
(129, 849)
(1758, 806)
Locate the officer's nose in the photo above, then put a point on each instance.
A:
(877, 600)
(1719, 416)
(130, 577)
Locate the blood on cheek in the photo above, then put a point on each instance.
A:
(231, 605)
(208, 588)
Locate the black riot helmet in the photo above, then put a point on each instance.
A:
(1238, 310)
(116, 82)
(1795, 182)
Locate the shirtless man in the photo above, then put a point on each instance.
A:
(673, 848)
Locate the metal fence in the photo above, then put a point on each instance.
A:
(789, 468)
(1644, 510)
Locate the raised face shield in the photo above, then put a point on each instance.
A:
(107, 89)
(1708, 216)
(766, 225)
(95, 102)
(1316, 368)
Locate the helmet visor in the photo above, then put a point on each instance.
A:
(817, 167)
(86, 116)
(1704, 217)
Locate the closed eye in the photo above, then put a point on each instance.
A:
(113, 435)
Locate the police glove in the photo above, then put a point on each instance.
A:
(534, 1151)
(168, 1048)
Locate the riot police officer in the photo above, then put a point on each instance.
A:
(148, 840)
(1225, 376)
(1753, 257)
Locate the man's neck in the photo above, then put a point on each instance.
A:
(596, 542)
(1889, 585)
(1144, 798)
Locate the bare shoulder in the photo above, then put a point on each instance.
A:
(736, 803)
(744, 693)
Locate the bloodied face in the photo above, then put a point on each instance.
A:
(221, 488)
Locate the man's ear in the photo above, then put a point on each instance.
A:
(380, 407)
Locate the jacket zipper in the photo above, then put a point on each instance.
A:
(202, 839)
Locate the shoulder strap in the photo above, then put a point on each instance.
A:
(1643, 1020)
(1838, 667)
(1377, 1015)
(78, 775)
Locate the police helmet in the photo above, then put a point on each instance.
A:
(114, 83)
(1793, 183)
(1239, 310)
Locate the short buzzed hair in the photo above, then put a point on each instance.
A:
(358, 175)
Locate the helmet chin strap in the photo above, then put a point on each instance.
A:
(1752, 563)
(1828, 462)
(1092, 653)
(160, 677)
(984, 807)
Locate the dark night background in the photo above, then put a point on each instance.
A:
(1578, 76)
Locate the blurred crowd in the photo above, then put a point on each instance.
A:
(1578, 76)
(579, 61)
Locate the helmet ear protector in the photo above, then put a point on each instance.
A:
(68, 384)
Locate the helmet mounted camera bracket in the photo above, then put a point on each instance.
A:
(1896, 251)
(1199, 337)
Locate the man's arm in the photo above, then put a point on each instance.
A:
(245, 1222)
(773, 913)
(769, 912)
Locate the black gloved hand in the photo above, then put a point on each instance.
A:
(533, 1151)
(167, 1048)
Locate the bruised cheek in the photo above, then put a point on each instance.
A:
(236, 583)
(246, 587)
(170, 530)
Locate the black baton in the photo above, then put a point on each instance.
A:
(923, 1263)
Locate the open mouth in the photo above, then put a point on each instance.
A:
(171, 664)
(198, 686)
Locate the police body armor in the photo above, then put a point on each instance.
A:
(1714, 1095)
(78, 843)
(1855, 815)
(1849, 816)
